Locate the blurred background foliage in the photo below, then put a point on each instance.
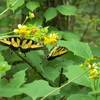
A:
(81, 17)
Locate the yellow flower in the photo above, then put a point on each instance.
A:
(51, 39)
(94, 71)
(22, 30)
(93, 74)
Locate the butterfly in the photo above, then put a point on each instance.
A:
(56, 52)
(23, 44)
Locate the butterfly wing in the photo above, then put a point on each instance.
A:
(5, 42)
(27, 45)
(13, 42)
(22, 43)
(56, 52)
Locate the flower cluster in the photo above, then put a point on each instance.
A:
(94, 71)
(93, 68)
(51, 39)
(22, 30)
(31, 30)
(37, 33)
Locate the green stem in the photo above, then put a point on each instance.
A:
(95, 88)
(4, 11)
(60, 77)
(30, 64)
(8, 8)
(25, 20)
(62, 86)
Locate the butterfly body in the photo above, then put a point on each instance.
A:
(23, 44)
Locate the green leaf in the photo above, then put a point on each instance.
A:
(69, 35)
(73, 88)
(38, 88)
(52, 68)
(9, 89)
(18, 80)
(78, 48)
(3, 47)
(96, 51)
(14, 4)
(80, 97)
(1, 57)
(51, 72)
(67, 10)
(4, 66)
(74, 71)
(35, 57)
(32, 5)
(50, 13)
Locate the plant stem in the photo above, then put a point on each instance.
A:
(60, 77)
(96, 96)
(8, 8)
(62, 86)
(30, 64)
(4, 11)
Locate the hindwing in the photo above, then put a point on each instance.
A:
(56, 52)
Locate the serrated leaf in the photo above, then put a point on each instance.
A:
(32, 5)
(12, 88)
(74, 71)
(78, 48)
(38, 88)
(50, 13)
(67, 10)
(18, 80)
(14, 4)
(80, 97)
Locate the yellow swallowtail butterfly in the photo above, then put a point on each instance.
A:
(56, 52)
(23, 44)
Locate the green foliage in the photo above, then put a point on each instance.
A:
(31, 76)
(81, 96)
(14, 4)
(3, 66)
(32, 5)
(67, 10)
(78, 48)
(15, 86)
(37, 89)
(50, 13)
(74, 71)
